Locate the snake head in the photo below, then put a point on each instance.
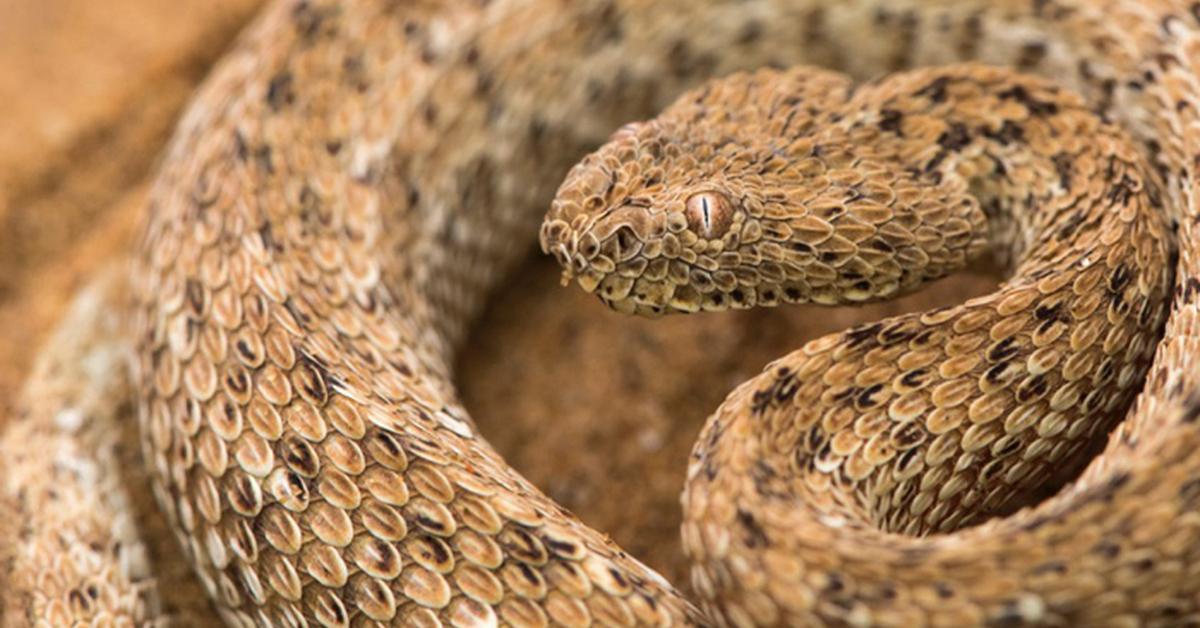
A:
(689, 211)
(756, 189)
(643, 222)
(695, 209)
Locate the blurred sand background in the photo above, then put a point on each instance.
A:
(597, 409)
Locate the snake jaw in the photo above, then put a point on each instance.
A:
(588, 282)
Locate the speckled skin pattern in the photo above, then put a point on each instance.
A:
(356, 176)
(785, 187)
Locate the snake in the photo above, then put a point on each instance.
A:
(252, 416)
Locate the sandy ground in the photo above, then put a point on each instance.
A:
(598, 409)
(89, 92)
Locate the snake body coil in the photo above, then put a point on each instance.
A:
(356, 176)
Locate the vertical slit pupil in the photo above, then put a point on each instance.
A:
(708, 214)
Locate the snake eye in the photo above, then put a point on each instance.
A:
(709, 214)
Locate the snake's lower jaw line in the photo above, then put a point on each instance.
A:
(587, 281)
(652, 311)
(622, 306)
(591, 285)
(655, 305)
(683, 306)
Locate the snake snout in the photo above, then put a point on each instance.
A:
(556, 239)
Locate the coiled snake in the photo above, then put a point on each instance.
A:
(356, 176)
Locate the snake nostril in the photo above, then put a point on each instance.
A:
(628, 243)
(589, 246)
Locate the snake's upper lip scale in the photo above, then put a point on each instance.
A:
(572, 263)
(564, 250)
(567, 276)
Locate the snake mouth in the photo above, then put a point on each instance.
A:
(630, 306)
(566, 277)
(574, 266)
(630, 295)
(557, 239)
(625, 294)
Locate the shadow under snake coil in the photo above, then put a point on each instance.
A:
(355, 178)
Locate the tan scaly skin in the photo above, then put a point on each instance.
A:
(356, 176)
(783, 187)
